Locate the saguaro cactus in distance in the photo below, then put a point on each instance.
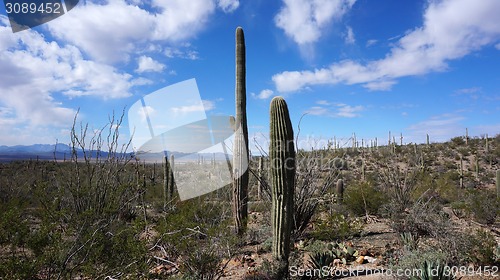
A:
(498, 183)
(340, 191)
(282, 164)
(240, 146)
(168, 180)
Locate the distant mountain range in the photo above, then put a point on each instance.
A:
(61, 152)
(40, 151)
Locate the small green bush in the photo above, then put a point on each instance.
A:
(336, 226)
(484, 206)
(363, 198)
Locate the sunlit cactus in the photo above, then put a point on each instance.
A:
(282, 164)
(240, 146)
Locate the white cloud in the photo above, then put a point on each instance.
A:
(339, 110)
(371, 42)
(305, 20)
(208, 105)
(347, 111)
(204, 105)
(110, 32)
(33, 69)
(147, 64)
(172, 52)
(349, 36)
(452, 29)
(468, 90)
(440, 128)
(146, 112)
(228, 6)
(264, 94)
(107, 32)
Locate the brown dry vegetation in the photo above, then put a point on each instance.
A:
(104, 217)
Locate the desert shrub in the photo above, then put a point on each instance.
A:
(447, 189)
(336, 226)
(363, 198)
(484, 206)
(204, 261)
(476, 248)
(311, 184)
(198, 235)
(483, 246)
(424, 217)
(457, 141)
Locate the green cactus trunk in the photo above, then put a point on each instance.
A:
(282, 164)
(340, 191)
(261, 175)
(168, 180)
(498, 183)
(240, 147)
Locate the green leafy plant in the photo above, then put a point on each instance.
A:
(433, 271)
(343, 251)
(320, 260)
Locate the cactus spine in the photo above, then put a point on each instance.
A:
(282, 164)
(340, 191)
(240, 146)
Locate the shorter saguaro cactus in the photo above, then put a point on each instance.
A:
(282, 165)
(340, 191)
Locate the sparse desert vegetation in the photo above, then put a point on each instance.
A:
(403, 207)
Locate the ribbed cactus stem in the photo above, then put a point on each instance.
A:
(282, 165)
(172, 165)
(259, 181)
(340, 191)
(240, 146)
(168, 180)
(498, 183)
(461, 172)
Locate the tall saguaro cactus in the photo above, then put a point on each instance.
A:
(282, 164)
(240, 146)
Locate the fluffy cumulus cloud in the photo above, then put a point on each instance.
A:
(111, 31)
(147, 64)
(451, 30)
(305, 20)
(33, 70)
(349, 36)
(338, 110)
(228, 6)
(264, 94)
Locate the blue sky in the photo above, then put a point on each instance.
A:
(352, 66)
